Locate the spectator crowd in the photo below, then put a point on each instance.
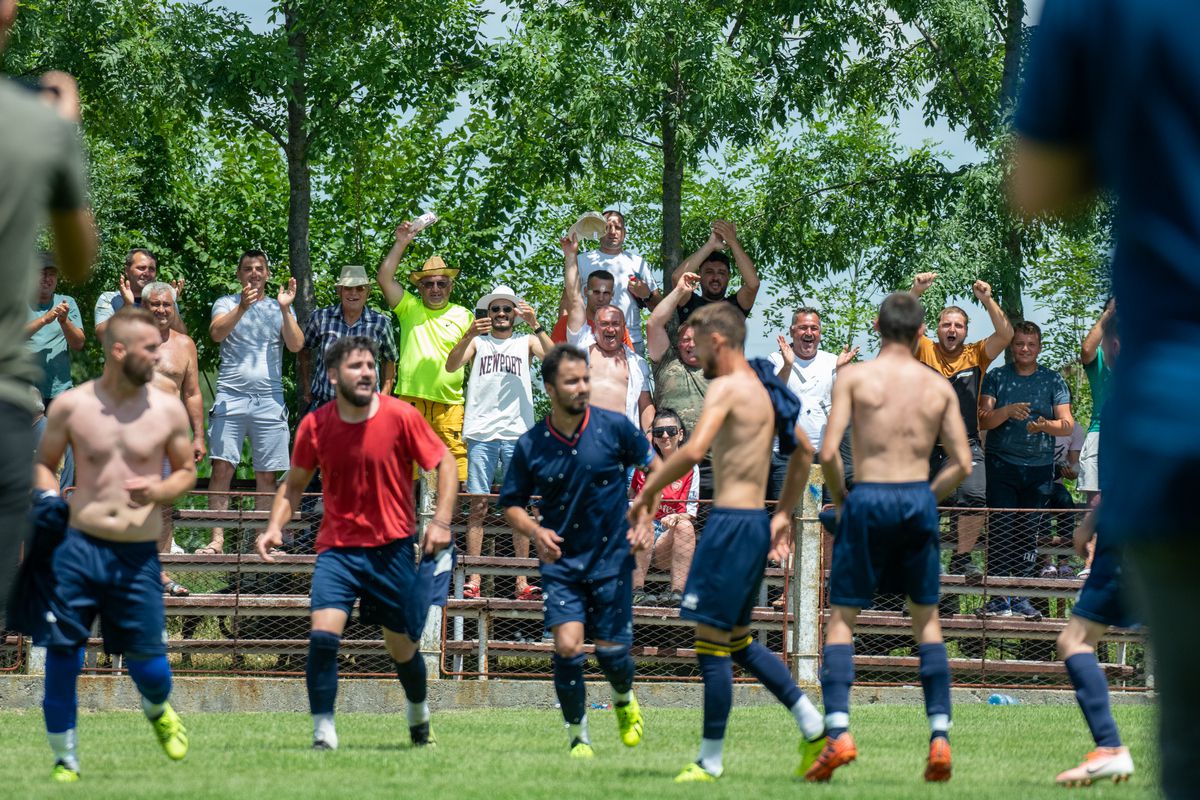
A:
(469, 371)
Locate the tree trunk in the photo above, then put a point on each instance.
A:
(299, 186)
(1013, 50)
(672, 190)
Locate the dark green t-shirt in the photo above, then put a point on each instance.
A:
(1100, 379)
(41, 169)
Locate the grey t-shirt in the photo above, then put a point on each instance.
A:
(41, 168)
(1043, 390)
(252, 353)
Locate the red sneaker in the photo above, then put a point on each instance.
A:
(837, 753)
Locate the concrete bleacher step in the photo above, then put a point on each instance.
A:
(963, 625)
(978, 666)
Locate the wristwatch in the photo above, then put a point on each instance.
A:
(538, 330)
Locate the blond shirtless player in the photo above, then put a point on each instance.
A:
(177, 372)
(121, 428)
(887, 535)
(739, 421)
(620, 377)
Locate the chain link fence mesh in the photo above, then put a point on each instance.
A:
(1009, 580)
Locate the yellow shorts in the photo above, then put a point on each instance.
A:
(447, 423)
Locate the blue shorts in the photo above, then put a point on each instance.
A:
(120, 581)
(385, 579)
(1102, 598)
(887, 541)
(727, 568)
(603, 605)
(487, 462)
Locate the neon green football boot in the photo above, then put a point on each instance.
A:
(694, 773)
(64, 774)
(581, 749)
(171, 733)
(809, 750)
(629, 722)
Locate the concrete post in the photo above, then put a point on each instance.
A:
(806, 583)
(431, 636)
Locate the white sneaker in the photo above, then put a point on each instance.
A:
(1100, 764)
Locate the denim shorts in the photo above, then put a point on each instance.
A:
(487, 462)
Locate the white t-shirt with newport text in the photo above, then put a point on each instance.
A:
(499, 393)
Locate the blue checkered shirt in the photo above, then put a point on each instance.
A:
(327, 325)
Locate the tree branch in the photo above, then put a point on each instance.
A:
(259, 122)
(958, 81)
(883, 179)
(737, 27)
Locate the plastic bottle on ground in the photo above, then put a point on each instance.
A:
(1003, 700)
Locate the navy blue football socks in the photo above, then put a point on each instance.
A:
(412, 677)
(617, 666)
(749, 654)
(321, 672)
(837, 674)
(716, 669)
(1091, 690)
(569, 686)
(935, 681)
(59, 703)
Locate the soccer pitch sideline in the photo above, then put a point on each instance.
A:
(999, 752)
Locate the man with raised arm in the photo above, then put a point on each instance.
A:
(679, 382)
(366, 444)
(429, 329)
(499, 409)
(964, 365)
(141, 269)
(576, 461)
(177, 372)
(620, 377)
(712, 265)
(887, 531)
(745, 408)
(634, 284)
(122, 428)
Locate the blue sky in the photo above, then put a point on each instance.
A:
(911, 133)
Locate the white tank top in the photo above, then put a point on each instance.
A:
(499, 396)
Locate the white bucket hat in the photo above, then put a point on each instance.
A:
(501, 292)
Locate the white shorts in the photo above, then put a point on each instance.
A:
(1089, 463)
(263, 419)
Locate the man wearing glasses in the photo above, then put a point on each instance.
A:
(429, 329)
(499, 407)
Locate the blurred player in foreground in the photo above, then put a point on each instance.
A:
(365, 445)
(745, 407)
(887, 533)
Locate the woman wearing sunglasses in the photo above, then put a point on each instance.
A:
(674, 525)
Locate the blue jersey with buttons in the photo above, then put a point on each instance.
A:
(581, 481)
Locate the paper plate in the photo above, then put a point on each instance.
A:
(590, 226)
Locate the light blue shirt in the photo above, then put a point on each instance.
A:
(49, 348)
(252, 353)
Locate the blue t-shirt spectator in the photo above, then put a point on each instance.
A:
(583, 487)
(50, 350)
(1043, 390)
(252, 353)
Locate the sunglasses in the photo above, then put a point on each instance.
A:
(434, 284)
(500, 310)
(668, 430)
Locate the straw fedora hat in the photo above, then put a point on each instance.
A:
(432, 267)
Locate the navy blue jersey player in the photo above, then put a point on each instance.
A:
(576, 460)
(745, 407)
(887, 532)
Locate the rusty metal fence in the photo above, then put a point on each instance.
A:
(1009, 580)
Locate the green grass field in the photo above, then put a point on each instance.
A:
(1000, 752)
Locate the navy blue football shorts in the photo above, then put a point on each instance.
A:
(603, 604)
(120, 581)
(1102, 598)
(385, 579)
(887, 541)
(727, 568)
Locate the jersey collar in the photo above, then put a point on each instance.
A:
(572, 440)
